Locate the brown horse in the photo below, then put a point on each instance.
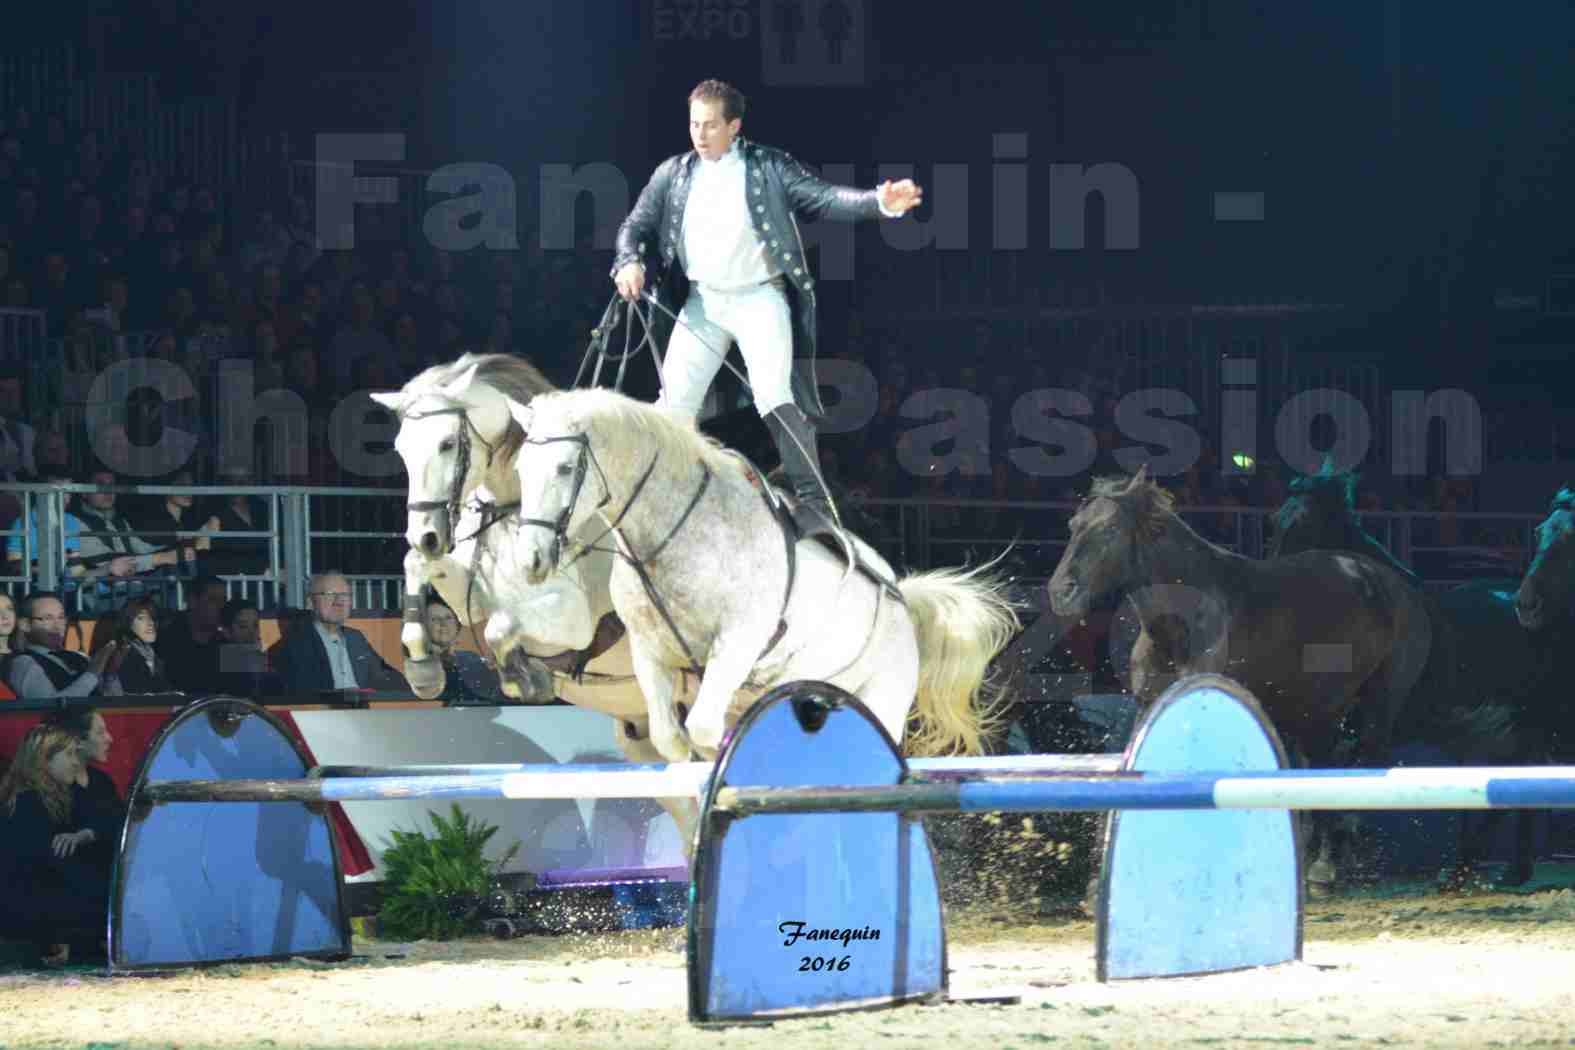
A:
(1491, 693)
(1314, 637)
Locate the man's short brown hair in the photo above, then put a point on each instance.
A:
(720, 91)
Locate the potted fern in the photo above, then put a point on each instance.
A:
(434, 887)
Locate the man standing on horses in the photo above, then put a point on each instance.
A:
(721, 219)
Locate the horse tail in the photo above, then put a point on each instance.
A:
(962, 620)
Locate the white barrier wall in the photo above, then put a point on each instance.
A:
(553, 835)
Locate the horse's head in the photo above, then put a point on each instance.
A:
(1101, 555)
(1318, 514)
(1545, 591)
(454, 426)
(561, 484)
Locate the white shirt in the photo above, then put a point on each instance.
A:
(338, 658)
(720, 248)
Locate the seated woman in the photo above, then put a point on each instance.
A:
(132, 635)
(94, 797)
(53, 888)
(468, 679)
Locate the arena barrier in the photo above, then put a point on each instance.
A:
(814, 885)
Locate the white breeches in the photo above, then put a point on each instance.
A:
(755, 318)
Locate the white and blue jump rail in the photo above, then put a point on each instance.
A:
(814, 884)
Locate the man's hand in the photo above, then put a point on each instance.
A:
(206, 542)
(66, 843)
(630, 281)
(900, 196)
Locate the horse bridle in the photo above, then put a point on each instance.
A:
(491, 513)
(450, 506)
(559, 526)
(560, 536)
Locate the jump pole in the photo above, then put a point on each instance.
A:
(1503, 787)
(631, 780)
(969, 787)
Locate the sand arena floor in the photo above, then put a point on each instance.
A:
(1413, 969)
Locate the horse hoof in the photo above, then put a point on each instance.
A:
(426, 678)
(526, 680)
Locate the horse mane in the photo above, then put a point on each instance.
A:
(510, 375)
(616, 417)
(1151, 501)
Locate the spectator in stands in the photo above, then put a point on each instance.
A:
(71, 523)
(189, 643)
(8, 624)
(239, 512)
(243, 666)
(357, 338)
(52, 453)
(17, 439)
(468, 678)
(46, 669)
(128, 560)
(134, 662)
(332, 655)
(51, 890)
(175, 513)
(267, 365)
(94, 796)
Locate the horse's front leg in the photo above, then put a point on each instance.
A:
(727, 668)
(684, 811)
(659, 684)
(423, 671)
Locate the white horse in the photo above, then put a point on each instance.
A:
(458, 442)
(706, 584)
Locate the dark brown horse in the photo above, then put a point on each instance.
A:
(1546, 598)
(1491, 692)
(1314, 636)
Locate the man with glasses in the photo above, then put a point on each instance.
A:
(46, 669)
(331, 655)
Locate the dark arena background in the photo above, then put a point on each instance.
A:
(1229, 345)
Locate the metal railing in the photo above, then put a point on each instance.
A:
(912, 533)
(39, 540)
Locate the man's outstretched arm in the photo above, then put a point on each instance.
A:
(812, 197)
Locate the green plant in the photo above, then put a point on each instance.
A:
(434, 887)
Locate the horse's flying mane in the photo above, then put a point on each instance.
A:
(618, 417)
(1152, 502)
(512, 376)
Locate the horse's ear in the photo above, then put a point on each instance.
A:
(394, 402)
(456, 388)
(521, 414)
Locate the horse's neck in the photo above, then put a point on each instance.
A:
(648, 513)
(1179, 556)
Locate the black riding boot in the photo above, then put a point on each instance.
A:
(795, 438)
